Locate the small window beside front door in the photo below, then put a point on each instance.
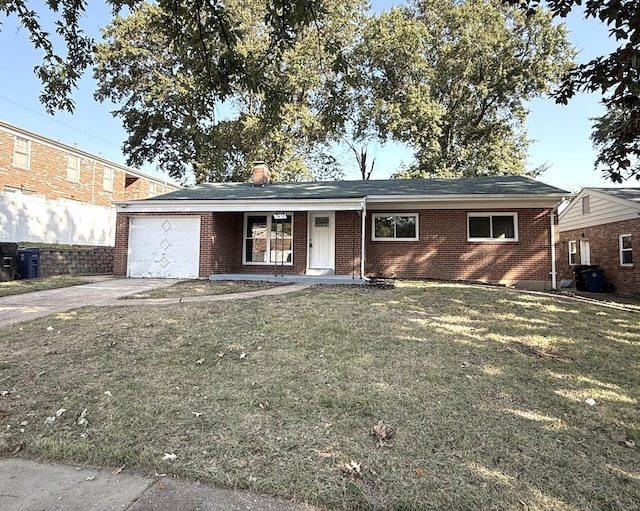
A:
(321, 221)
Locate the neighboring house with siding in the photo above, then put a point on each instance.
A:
(601, 226)
(31, 164)
(490, 229)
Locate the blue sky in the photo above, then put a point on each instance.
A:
(560, 133)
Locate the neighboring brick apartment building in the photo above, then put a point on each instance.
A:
(37, 165)
(601, 227)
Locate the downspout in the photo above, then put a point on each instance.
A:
(554, 276)
(362, 235)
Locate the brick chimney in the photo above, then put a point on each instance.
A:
(261, 174)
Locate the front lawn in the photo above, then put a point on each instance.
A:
(486, 391)
(203, 288)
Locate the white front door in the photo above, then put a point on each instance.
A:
(585, 253)
(321, 242)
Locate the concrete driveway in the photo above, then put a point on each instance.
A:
(101, 291)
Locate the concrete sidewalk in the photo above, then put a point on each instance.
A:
(31, 486)
(107, 291)
(101, 291)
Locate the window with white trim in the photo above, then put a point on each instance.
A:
(268, 238)
(573, 252)
(107, 180)
(21, 153)
(395, 226)
(73, 168)
(626, 250)
(492, 226)
(586, 205)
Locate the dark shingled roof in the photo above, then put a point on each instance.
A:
(632, 194)
(495, 185)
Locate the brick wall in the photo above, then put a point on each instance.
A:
(443, 252)
(121, 247)
(47, 176)
(76, 261)
(348, 243)
(605, 252)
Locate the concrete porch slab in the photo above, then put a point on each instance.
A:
(344, 280)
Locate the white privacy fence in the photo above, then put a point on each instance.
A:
(27, 218)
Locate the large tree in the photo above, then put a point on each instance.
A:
(451, 79)
(179, 103)
(617, 76)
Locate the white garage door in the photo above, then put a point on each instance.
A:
(164, 247)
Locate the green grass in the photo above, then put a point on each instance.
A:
(17, 287)
(203, 288)
(485, 389)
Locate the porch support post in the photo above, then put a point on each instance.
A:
(362, 235)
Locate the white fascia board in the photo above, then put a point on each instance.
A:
(465, 201)
(191, 206)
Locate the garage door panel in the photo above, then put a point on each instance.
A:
(164, 247)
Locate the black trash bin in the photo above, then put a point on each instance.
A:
(593, 279)
(29, 263)
(8, 261)
(579, 278)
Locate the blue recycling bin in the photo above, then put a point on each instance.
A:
(593, 279)
(29, 263)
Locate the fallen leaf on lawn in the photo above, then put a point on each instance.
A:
(243, 355)
(90, 478)
(16, 449)
(108, 393)
(49, 328)
(590, 401)
(24, 423)
(200, 361)
(82, 418)
(351, 469)
(49, 421)
(220, 354)
(420, 472)
(382, 432)
(3, 412)
(197, 414)
(354, 489)
(160, 485)
(327, 453)
(169, 456)
(4, 393)
(630, 444)
(118, 470)
(60, 412)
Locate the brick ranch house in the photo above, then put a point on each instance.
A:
(600, 227)
(492, 229)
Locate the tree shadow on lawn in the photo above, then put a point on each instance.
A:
(536, 362)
